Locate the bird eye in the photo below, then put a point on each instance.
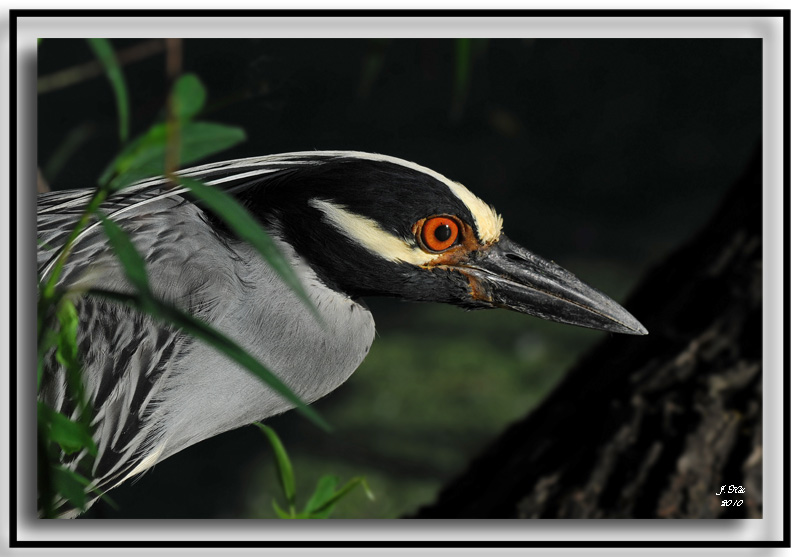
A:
(439, 233)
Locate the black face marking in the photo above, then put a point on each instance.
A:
(392, 195)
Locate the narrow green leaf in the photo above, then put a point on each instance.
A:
(105, 53)
(67, 351)
(321, 514)
(285, 472)
(132, 263)
(47, 288)
(201, 139)
(147, 169)
(104, 496)
(367, 490)
(247, 228)
(336, 497)
(279, 511)
(144, 157)
(67, 356)
(189, 96)
(70, 485)
(326, 487)
(155, 137)
(71, 436)
(214, 338)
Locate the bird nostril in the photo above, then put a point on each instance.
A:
(514, 257)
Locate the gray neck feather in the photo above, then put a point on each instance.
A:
(208, 394)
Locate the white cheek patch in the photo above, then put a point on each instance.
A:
(368, 233)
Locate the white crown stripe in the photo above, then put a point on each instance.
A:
(488, 223)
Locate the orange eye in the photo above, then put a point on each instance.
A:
(439, 233)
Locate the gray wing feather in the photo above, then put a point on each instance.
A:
(127, 356)
(130, 361)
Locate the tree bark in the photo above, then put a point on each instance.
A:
(649, 427)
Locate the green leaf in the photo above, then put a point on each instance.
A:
(70, 485)
(285, 473)
(47, 288)
(279, 511)
(147, 169)
(189, 96)
(132, 263)
(71, 436)
(104, 496)
(214, 338)
(328, 504)
(201, 139)
(105, 53)
(67, 351)
(247, 228)
(326, 487)
(144, 157)
(154, 138)
(67, 355)
(44, 245)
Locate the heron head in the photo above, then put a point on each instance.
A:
(377, 225)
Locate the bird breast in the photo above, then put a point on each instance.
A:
(313, 356)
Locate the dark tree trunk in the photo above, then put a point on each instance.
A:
(653, 426)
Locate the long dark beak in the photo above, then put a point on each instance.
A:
(510, 276)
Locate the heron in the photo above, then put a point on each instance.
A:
(351, 225)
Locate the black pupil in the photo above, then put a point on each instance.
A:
(443, 232)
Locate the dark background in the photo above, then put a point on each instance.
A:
(603, 155)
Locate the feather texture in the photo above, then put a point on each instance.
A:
(156, 390)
